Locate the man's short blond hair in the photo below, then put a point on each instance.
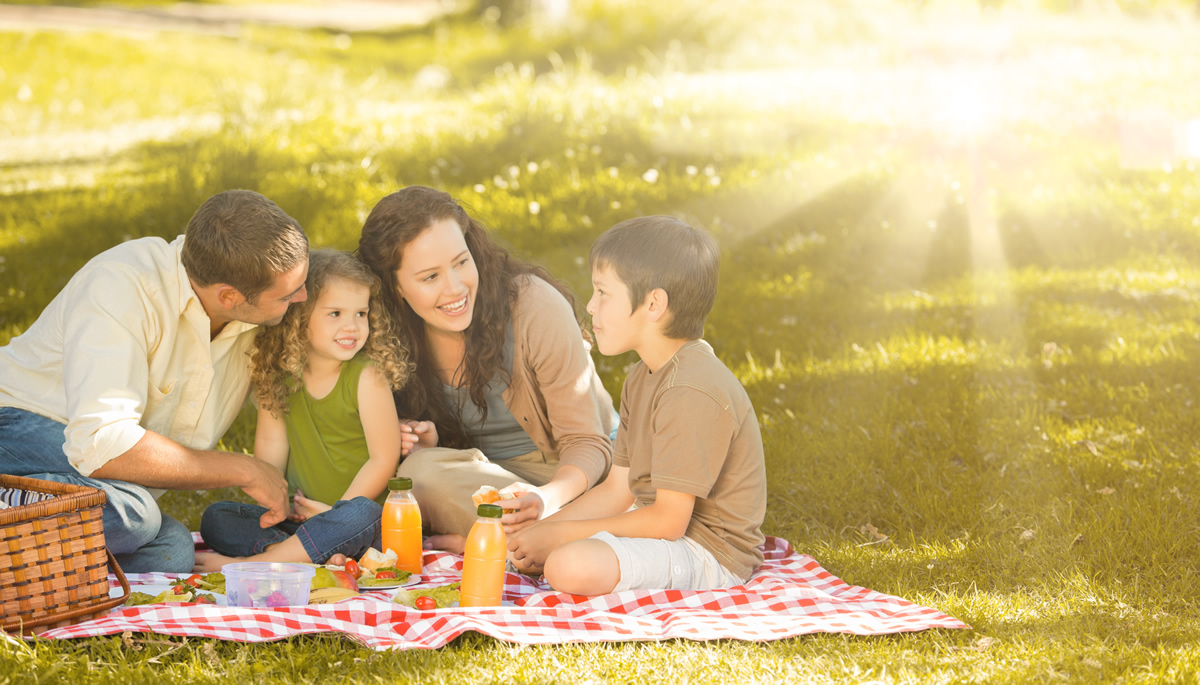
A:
(242, 239)
(663, 252)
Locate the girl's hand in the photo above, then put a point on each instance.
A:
(529, 505)
(306, 508)
(415, 435)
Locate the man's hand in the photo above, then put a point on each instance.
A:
(529, 505)
(266, 485)
(160, 462)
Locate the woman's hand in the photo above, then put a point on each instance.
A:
(304, 508)
(529, 505)
(415, 435)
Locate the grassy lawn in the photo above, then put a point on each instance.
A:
(960, 275)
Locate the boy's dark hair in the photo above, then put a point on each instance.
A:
(663, 252)
(242, 239)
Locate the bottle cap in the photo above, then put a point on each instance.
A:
(490, 511)
(400, 484)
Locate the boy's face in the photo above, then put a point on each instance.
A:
(617, 330)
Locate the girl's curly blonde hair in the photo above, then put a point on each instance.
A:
(281, 352)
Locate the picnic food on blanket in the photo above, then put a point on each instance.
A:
(353, 569)
(402, 525)
(388, 576)
(172, 594)
(484, 559)
(326, 576)
(210, 582)
(486, 494)
(330, 595)
(374, 559)
(442, 595)
(269, 584)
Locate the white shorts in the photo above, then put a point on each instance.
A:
(653, 564)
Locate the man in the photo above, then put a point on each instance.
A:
(135, 370)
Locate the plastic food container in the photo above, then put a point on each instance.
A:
(267, 584)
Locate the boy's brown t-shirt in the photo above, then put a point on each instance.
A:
(690, 428)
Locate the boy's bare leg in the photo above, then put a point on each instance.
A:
(583, 567)
(290, 550)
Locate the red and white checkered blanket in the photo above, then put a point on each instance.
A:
(790, 595)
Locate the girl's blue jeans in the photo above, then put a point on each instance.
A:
(351, 527)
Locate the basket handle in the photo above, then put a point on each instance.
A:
(116, 569)
(81, 613)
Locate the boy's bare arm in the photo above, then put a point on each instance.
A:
(609, 498)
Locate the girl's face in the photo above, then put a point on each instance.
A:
(438, 278)
(338, 325)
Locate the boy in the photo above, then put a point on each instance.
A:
(682, 506)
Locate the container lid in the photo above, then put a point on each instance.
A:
(268, 570)
(400, 484)
(490, 511)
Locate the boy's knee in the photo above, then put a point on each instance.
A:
(583, 567)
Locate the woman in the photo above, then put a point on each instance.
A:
(502, 368)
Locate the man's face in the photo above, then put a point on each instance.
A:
(270, 306)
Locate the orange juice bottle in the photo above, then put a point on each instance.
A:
(402, 525)
(484, 560)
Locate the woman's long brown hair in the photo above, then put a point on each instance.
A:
(397, 220)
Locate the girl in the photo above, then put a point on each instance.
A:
(502, 368)
(324, 379)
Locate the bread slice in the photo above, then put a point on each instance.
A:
(486, 494)
(374, 559)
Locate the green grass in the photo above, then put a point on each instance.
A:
(975, 334)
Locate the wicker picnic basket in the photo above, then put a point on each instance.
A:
(53, 561)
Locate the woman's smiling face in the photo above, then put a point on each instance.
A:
(438, 278)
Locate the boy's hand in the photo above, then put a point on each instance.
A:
(415, 435)
(529, 505)
(530, 548)
(304, 508)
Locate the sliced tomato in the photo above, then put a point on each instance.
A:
(385, 574)
(194, 579)
(353, 569)
(181, 589)
(205, 599)
(426, 603)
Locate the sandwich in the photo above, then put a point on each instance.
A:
(374, 559)
(486, 494)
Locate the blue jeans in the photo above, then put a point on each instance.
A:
(142, 538)
(351, 527)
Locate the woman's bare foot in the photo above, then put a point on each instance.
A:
(210, 562)
(455, 544)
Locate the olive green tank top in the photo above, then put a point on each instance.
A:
(326, 442)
